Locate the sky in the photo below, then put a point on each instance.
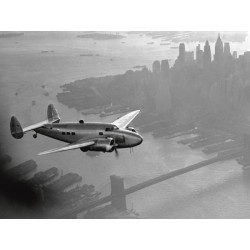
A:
(129, 15)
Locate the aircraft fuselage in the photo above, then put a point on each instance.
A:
(72, 132)
(93, 136)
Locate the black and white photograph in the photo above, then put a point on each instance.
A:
(106, 123)
(109, 124)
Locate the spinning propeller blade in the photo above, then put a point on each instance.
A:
(116, 152)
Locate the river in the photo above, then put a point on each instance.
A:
(217, 191)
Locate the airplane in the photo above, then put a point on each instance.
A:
(86, 136)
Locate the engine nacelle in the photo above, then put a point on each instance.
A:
(131, 129)
(103, 145)
(84, 149)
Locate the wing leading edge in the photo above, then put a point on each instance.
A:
(74, 145)
(124, 121)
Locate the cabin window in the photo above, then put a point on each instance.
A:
(107, 129)
(100, 133)
(81, 121)
(63, 133)
(73, 133)
(68, 133)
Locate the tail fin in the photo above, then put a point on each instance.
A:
(52, 114)
(16, 128)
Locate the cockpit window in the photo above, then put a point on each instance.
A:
(111, 128)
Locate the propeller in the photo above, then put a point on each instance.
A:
(116, 153)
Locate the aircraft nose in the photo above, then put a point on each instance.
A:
(140, 139)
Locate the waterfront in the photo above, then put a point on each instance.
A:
(219, 191)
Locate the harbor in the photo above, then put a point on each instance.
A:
(51, 190)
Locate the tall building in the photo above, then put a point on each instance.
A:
(207, 54)
(227, 51)
(156, 67)
(164, 67)
(247, 54)
(199, 55)
(218, 56)
(235, 56)
(247, 57)
(182, 53)
(228, 59)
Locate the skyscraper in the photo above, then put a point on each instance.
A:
(156, 67)
(207, 54)
(182, 53)
(247, 59)
(218, 56)
(199, 55)
(227, 49)
(164, 67)
(235, 55)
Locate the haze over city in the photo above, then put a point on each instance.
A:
(196, 79)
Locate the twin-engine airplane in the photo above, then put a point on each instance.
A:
(94, 136)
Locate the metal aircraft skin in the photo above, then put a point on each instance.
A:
(91, 136)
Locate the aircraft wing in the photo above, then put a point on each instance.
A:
(74, 145)
(124, 121)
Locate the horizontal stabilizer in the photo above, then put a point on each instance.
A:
(75, 145)
(17, 131)
(34, 126)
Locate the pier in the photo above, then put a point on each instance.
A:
(22, 170)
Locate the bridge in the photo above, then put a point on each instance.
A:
(118, 192)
